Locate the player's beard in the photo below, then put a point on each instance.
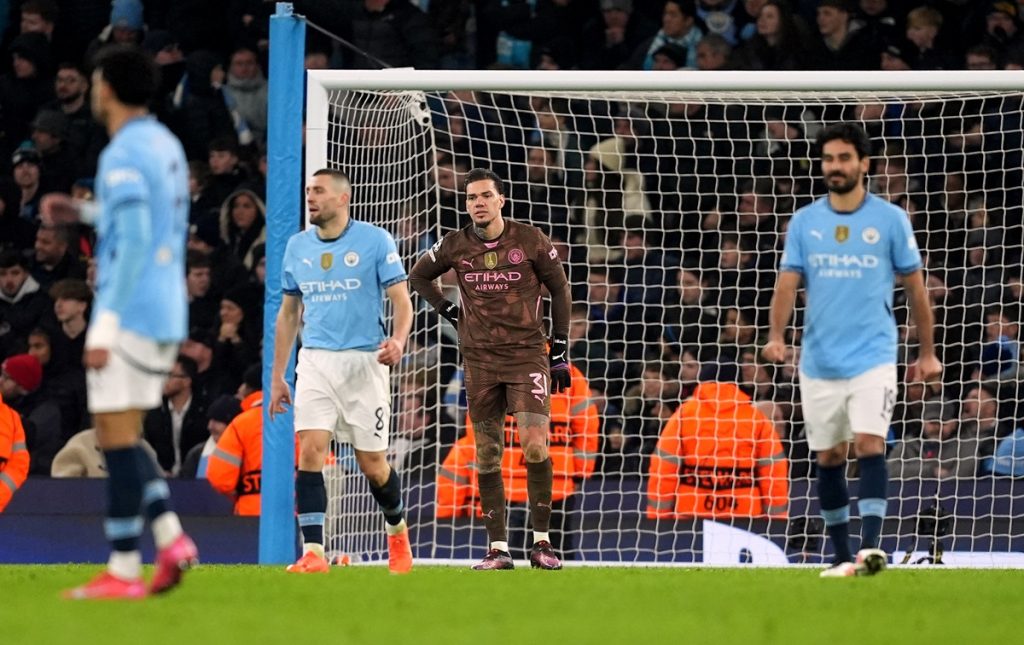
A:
(846, 186)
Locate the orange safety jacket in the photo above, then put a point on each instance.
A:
(574, 443)
(718, 456)
(14, 458)
(235, 467)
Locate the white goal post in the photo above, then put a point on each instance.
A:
(668, 194)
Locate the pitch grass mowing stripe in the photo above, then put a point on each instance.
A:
(247, 605)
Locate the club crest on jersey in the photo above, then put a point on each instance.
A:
(490, 259)
(351, 259)
(515, 256)
(871, 235)
(326, 261)
(842, 233)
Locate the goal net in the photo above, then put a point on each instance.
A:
(669, 207)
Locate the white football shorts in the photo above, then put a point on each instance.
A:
(133, 378)
(346, 392)
(835, 409)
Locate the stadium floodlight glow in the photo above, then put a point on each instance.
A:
(706, 167)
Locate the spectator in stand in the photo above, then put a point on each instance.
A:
(646, 406)
(979, 417)
(226, 172)
(226, 270)
(20, 378)
(26, 87)
(923, 26)
(678, 27)
(84, 138)
(239, 331)
(63, 381)
(688, 320)
(204, 207)
(714, 53)
(16, 232)
(39, 17)
(179, 423)
(14, 456)
(779, 43)
(27, 170)
(60, 165)
(248, 88)
(941, 452)
(838, 47)
(218, 416)
(982, 57)
(202, 307)
(55, 256)
(396, 32)
(82, 456)
(243, 224)
(877, 21)
(196, 111)
(71, 300)
(1002, 27)
(725, 18)
(718, 456)
(669, 58)
(608, 40)
(126, 28)
(896, 56)
(540, 194)
(211, 379)
(23, 303)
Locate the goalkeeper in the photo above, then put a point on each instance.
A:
(501, 266)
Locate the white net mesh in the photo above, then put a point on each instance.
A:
(669, 210)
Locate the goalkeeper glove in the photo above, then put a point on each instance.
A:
(559, 357)
(450, 312)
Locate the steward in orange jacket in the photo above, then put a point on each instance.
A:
(718, 456)
(235, 467)
(574, 443)
(14, 459)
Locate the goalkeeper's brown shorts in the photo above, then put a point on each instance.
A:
(501, 386)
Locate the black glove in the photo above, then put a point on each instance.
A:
(559, 357)
(451, 312)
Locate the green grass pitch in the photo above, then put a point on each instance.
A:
(248, 605)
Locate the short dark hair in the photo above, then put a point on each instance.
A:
(223, 144)
(71, 289)
(189, 366)
(45, 9)
(850, 133)
(73, 66)
(196, 260)
(13, 258)
(131, 73)
(483, 174)
(339, 176)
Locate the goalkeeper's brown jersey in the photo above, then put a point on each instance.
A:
(500, 284)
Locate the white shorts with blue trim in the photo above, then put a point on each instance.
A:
(346, 392)
(836, 409)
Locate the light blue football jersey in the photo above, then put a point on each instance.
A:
(142, 191)
(342, 285)
(849, 262)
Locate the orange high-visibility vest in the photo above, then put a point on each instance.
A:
(574, 443)
(14, 458)
(718, 456)
(235, 467)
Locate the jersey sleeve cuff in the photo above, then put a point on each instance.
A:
(103, 330)
(791, 268)
(292, 292)
(909, 270)
(394, 281)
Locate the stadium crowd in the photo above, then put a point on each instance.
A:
(670, 217)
